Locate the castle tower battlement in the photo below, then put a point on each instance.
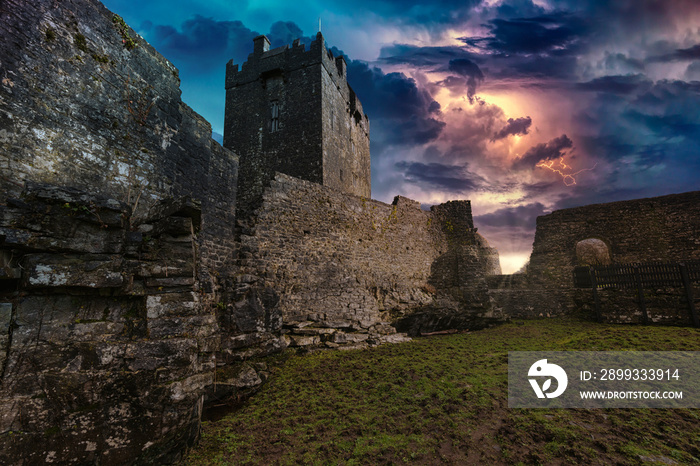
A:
(291, 110)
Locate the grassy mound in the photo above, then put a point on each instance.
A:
(443, 399)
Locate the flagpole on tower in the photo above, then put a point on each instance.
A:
(319, 24)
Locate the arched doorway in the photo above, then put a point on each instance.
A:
(592, 251)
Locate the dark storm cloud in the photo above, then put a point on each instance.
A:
(492, 64)
(536, 189)
(285, 32)
(648, 137)
(692, 73)
(540, 70)
(610, 147)
(553, 149)
(203, 44)
(430, 14)
(211, 42)
(466, 68)
(401, 112)
(453, 178)
(620, 61)
(431, 57)
(514, 126)
(645, 121)
(410, 131)
(392, 95)
(524, 215)
(687, 54)
(628, 16)
(518, 9)
(666, 126)
(471, 71)
(456, 85)
(544, 47)
(616, 84)
(557, 33)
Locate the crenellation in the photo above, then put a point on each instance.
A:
(261, 44)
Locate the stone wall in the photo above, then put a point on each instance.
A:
(663, 229)
(107, 343)
(346, 156)
(665, 306)
(112, 267)
(81, 107)
(523, 298)
(318, 258)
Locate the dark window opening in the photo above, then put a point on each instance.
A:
(274, 116)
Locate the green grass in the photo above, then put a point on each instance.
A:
(444, 400)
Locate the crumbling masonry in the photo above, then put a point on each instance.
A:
(144, 267)
(135, 286)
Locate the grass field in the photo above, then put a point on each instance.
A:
(443, 399)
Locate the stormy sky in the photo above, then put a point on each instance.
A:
(521, 106)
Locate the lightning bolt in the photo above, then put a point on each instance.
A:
(568, 178)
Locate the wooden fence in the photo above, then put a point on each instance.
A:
(640, 276)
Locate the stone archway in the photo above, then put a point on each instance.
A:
(592, 251)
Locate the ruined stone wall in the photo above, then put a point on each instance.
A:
(660, 229)
(107, 347)
(86, 103)
(120, 288)
(323, 259)
(111, 270)
(521, 297)
(665, 306)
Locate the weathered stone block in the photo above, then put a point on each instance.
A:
(191, 386)
(172, 304)
(345, 338)
(165, 268)
(5, 317)
(170, 282)
(314, 331)
(80, 271)
(84, 380)
(241, 341)
(198, 326)
(5, 322)
(246, 377)
(301, 340)
(382, 329)
(395, 338)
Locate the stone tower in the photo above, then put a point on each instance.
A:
(291, 110)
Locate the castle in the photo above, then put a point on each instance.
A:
(144, 267)
(292, 111)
